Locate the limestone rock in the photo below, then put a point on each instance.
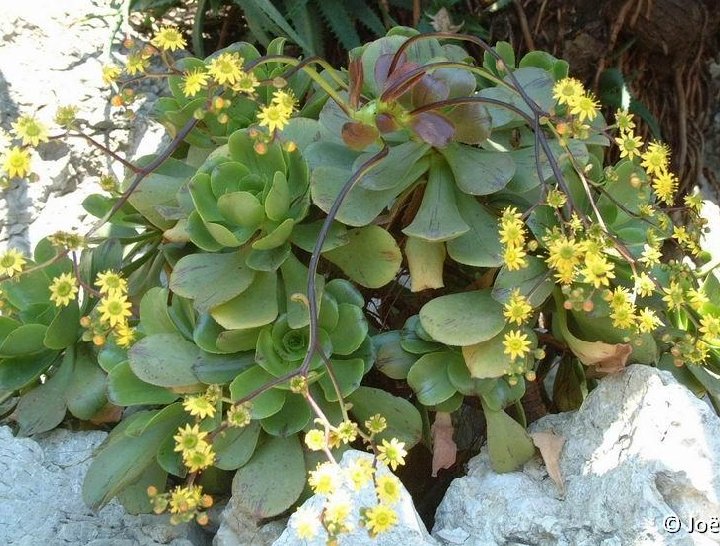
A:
(41, 500)
(409, 530)
(642, 448)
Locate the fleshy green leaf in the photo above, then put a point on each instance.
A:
(292, 418)
(534, 282)
(429, 379)
(122, 458)
(478, 172)
(86, 393)
(464, 318)
(403, 419)
(255, 307)
(392, 359)
(372, 257)
(125, 389)
(479, 247)
(280, 463)
(234, 446)
(509, 445)
(264, 405)
(165, 360)
(64, 329)
(438, 218)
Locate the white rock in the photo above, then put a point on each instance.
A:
(409, 531)
(41, 501)
(641, 448)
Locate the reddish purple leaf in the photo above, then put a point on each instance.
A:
(430, 89)
(433, 128)
(358, 136)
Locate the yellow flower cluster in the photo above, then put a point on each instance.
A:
(655, 159)
(114, 307)
(512, 237)
(196, 452)
(571, 92)
(184, 503)
(16, 160)
(276, 115)
(334, 482)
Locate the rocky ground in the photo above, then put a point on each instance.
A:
(52, 54)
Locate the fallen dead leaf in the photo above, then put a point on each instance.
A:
(550, 446)
(444, 447)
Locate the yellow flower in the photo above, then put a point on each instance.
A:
(110, 73)
(305, 523)
(111, 283)
(624, 120)
(694, 201)
(555, 198)
(568, 91)
(650, 256)
(114, 309)
(380, 519)
(16, 162)
(598, 270)
(359, 473)
(240, 415)
(376, 424)
(274, 117)
(585, 108)
(517, 308)
(564, 256)
(315, 439)
(124, 335)
(392, 453)
(647, 321)
(388, 489)
(199, 406)
(620, 297)
(623, 317)
(516, 344)
(710, 327)
(30, 130)
(169, 39)
(347, 431)
(697, 298)
(629, 145)
(284, 99)
(246, 83)
(65, 116)
(674, 295)
(194, 81)
(644, 285)
(185, 499)
(11, 262)
(226, 68)
(136, 63)
(189, 438)
(200, 458)
(335, 513)
(656, 157)
(665, 184)
(514, 258)
(325, 479)
(512, 231)
(63, 289)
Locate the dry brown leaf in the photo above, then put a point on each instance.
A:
(550, 446)
(444, 447)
